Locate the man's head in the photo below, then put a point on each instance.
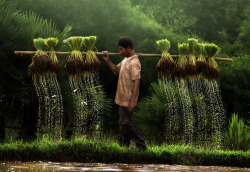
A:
(125, 45)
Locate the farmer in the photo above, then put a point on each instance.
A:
(127, 91)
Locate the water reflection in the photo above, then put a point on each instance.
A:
(56, 166)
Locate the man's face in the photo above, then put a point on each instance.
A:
(124, 51)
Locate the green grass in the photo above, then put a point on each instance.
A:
(108, 151)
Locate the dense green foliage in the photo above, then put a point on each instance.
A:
(107, 151)
(234, 81)
(224, 22)
(213, 21)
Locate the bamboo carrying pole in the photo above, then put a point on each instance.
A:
(115, 54)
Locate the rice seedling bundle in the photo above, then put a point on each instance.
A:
(213, 71)
(201, 62)
(180, 71)
(166, 64)
(92, 62)
(75, 62)
(40, 60)
(54, 65)
(191, 61)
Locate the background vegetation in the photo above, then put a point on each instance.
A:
(224, 22)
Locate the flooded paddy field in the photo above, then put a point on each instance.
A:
(72, 166)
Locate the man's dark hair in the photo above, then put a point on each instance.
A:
(125, 42)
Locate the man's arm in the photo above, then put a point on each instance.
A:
(132, 104)
(110, 64)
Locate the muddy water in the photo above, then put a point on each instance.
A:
(54, 166)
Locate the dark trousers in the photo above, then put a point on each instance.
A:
(129, 130)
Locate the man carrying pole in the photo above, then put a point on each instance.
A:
(127, 92)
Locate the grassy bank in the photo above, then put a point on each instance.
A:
(107, 151)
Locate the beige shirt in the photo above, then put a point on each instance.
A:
(129, 70)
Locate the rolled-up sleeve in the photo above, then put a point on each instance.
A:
(135, 69)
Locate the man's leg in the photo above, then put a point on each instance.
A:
(131, 129)
(124, 138)
(124, 135)
(135, 136)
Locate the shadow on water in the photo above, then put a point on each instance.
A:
(71, 166)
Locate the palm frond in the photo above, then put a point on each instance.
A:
(157, 103)
(150, 114)
(146, 120)
(9, 32)
(104, 103)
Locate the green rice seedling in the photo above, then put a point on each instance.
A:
(166, 64)
(238, 136)
(42, 68)
(191, 61)
(213, 71)
(40, 60)
(92, 62)
(54, 65)
(201, 62)
(180, 71)
(75, 62)
(106, 151)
